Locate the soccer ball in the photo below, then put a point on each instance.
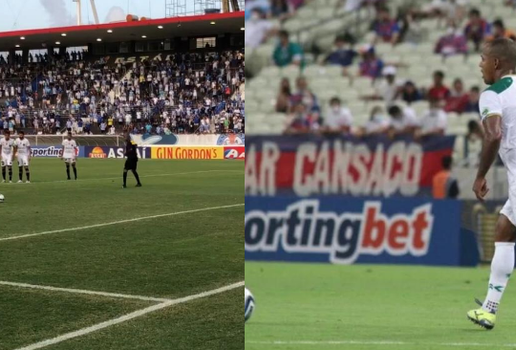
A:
(249, 304)
(2, 198)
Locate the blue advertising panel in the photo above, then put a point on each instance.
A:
(355, 230)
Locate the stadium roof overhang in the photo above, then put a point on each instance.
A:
(212, 24)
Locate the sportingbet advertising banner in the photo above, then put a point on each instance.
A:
(52, 151)
(100, 152)
(314, 165)
(358, 230)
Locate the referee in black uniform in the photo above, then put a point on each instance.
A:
(132, 161)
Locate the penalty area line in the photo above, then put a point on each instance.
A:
(81, 291)
(191, 211)
(130, 316)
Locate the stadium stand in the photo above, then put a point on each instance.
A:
(194, 90)
(345, 50)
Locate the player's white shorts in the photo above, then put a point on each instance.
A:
(23, 161)
(7, 161)
(509, 160)
(70, 160)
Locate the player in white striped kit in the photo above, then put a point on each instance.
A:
(6, 150)
(69, 156)
(22, 152)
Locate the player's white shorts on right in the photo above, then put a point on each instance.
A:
(69, 160)
(23, 161)
(7, 161)
(509, 160)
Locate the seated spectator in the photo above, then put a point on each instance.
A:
(476, 29)
(286, 52)
(385, 27)
(305, 96)
(386, 89)
(263, 5)
(378, 123)
(473, 98)
(474, 139)
(452, 43)
(284, 95)
(409, 93)
(458, 98)
(294, 5)
(371, 66)
(279, 9)
(499, 31)
(343, 55)
(403, 121)
(411, 30)
(438, 91)
(453, 10)
(434, 121)
(302, 121)
(338, 119)
(258, 29)
(443, 184)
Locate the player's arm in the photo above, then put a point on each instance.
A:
(491, 112)
(490, 146)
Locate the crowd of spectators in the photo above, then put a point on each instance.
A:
(464, 27)
(189, 93)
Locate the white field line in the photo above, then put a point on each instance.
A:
(129, 317)
(141, 176)
(120, 222)
(82, 291)
(332, 343)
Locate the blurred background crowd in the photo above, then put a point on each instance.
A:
(392, 67)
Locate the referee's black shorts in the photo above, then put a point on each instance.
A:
(131, 164)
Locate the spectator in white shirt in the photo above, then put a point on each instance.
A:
(403, 121)
(434, 121)
(338, 119)
(386, 89)
(378, 123)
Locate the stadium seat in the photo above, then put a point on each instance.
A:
(420, 107)
(384, 50)
(363, 85)
(270, 71)
(293, 25)
(324, 13)
(325, 42)
(456, 60)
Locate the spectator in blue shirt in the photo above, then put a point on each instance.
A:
(343, 55)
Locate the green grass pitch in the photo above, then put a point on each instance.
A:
(359, 307)
(170, 257)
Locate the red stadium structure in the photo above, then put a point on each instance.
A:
(135, 37)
